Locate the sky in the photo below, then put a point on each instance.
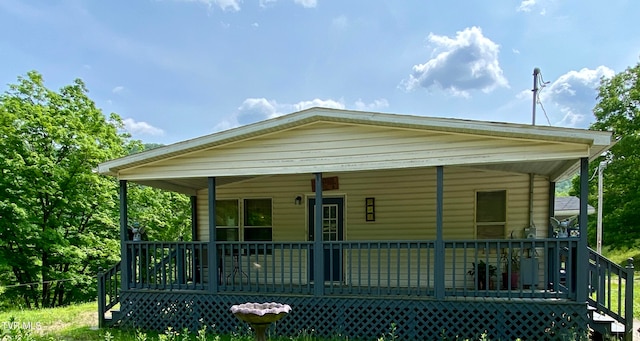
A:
(179, 69)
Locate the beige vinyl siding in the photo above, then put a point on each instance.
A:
(338, 147)
(405, 207)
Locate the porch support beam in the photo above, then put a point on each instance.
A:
(124, 233)
(582, 256)
(552, 272)
(212, 252)
(439, 246)
(194, 218)
(318, 249)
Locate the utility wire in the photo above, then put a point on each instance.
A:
(543, 84)
(34, 283)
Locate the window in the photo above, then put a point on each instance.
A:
(227, 223)
(256, 224)
(491, 214)
(257, 220)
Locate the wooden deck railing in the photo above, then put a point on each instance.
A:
(543, 268)
(109, 286)
(611, 288)
(166, 265)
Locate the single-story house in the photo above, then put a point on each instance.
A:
(362, 219)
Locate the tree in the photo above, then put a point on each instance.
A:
(57, 221)
(618, 110)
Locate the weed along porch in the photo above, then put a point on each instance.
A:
(358, 220)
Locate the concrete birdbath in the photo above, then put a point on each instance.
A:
(260, 315)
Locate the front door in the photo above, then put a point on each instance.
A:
(332, 230)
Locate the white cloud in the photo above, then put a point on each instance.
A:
(325, 103)
(573, 95)
(225, 5)
(118, 89)
(142, 128)
(258, 109)
(526, 5)
(307, 3)
(265, 3)
(461, 64)
(375, 105)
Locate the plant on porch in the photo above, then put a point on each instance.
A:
(479, 271)
(511, 269)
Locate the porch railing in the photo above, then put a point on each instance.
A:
(108, 291)
(611, 289)
(167, 265)
(544, 268)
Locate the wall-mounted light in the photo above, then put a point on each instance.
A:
(298, 201)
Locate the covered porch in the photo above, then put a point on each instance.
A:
(336, 212)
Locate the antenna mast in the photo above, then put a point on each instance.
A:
(536, 72)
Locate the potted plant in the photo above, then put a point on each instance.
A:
(511, 269)
(479, 272)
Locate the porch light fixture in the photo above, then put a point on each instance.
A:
(298, 201)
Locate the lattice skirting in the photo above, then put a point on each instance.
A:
(361, 318)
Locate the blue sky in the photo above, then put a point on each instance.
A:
(179, 69)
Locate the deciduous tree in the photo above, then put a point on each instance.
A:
(56, 215)
(618, 110)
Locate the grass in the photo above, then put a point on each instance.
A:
(620, 257)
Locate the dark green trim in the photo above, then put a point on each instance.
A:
(194, 218)
(551, 256)
(582, 271)
(318, 262)
(439, 261)
(212, 254)
(124, 234)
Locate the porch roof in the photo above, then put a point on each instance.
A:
(480, 138)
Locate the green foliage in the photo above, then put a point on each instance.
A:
(618, 110)
(57, 214)
(165, 216)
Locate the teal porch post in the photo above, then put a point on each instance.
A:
(124, 233)
(552, 271)
(212, 252)
(194, 218)
(439, 246)
(318, 249)
(582, 254)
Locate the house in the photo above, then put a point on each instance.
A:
(568, 207)
(410, 208)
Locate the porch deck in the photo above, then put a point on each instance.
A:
(167, 283)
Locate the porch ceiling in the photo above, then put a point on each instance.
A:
(190, 186)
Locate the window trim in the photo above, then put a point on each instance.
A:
(480, 224)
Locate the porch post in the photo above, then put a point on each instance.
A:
(194, 218)
(552, 273)
(582, 256)
(318, 249)
(439, 247)
(212, 252)
(124, 233)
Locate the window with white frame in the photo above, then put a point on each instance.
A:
(491, 214)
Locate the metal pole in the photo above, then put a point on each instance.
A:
(601, 167)
(536, 72)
